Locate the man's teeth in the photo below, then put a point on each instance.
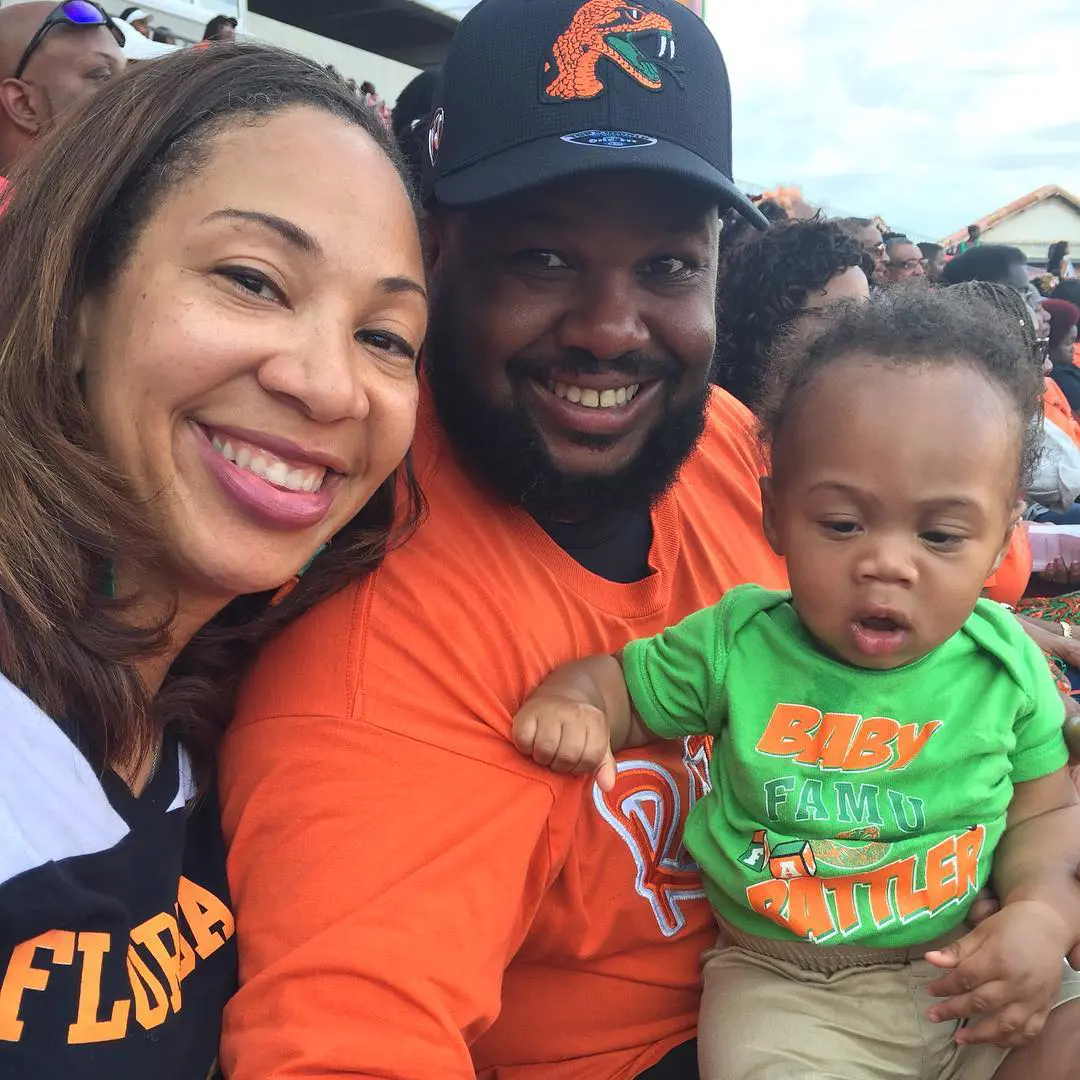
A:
(269, 468)
(594, 399)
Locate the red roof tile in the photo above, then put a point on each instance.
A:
(1032, 198)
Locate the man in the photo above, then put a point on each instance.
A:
(934, 260)
(868, 234)
(989, 262)
(905, 260)
(458, 910)
(49, 62)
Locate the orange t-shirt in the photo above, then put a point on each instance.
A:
(414, 897)
(1059, 412)
(1008, 582)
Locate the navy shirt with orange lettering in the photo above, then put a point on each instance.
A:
(116, 936)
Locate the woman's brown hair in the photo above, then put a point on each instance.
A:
(75, 210)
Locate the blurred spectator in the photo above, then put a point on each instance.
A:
(138, 47)
(410, 119)
(1063, 319)
(48, 63)
(934, 256)
(873, 245)
(1067, 290)
(767, 283)
(989, 262)
(1057, 261)
(736, 230)
(163, 36)
(373, 101)
(974, 239)
(1039, 313)
(138, 20)
(905, 259)
(1045, 283)
(220, 28)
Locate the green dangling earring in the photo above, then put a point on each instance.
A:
(107, 585)
(295, 579)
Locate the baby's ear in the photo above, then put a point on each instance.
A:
(768, 514)
(1014, 523)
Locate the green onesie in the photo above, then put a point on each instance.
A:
(848, 805)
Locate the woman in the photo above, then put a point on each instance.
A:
(1058, 263)
(207, 373)
(767, 282)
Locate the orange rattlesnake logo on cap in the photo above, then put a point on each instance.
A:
(603, 29)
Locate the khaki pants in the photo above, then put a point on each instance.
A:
(801, 1015)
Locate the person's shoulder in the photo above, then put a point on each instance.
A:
(993, 629)
(743, 603)
(425, 622)
(728, 444)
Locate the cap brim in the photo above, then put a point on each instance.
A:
(137, 47)
(545, 161)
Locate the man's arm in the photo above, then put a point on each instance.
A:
(381, 886)
(1038, 856)
(1009, 967)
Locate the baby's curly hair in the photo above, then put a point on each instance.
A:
(902, 327)
(763, 285)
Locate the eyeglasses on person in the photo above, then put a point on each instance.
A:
(69, 13)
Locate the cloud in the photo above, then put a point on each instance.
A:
(927, 112)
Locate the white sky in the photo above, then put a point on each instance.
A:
(931, 113)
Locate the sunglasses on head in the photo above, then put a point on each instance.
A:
(70, 13)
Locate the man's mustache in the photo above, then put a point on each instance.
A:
(638, 366)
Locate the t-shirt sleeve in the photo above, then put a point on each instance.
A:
(674, 677)
(1040, 741)
(388, 853)
(376, 925)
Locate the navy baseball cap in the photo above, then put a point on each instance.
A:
(535, 91)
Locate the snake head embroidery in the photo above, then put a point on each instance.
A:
(603, 29)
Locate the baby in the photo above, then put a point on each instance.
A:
(887, 743)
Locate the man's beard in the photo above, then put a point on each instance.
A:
(504, 447)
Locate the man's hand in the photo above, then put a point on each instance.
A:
(1008, 970)
(1072, 737)
(567, 736)
(1049, 638)
(1060, 574)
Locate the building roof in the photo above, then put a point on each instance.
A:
(410, 31)
(1017, 206)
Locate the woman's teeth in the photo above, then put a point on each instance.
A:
(594, 399)
(270, 468)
